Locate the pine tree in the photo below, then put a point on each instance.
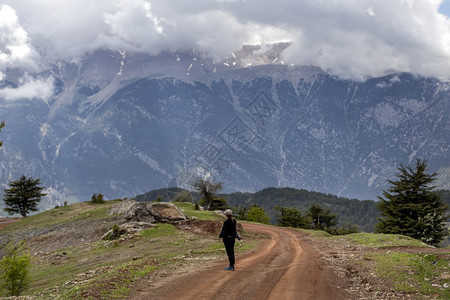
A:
(412, 207)
(23, 196)
(2, 124)
(322, 218)
(97, 198)
(291, 217)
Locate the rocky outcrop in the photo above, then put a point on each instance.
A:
(121, 207)
(157, 212)
(165, 212)
(139, 212)
(127, 228)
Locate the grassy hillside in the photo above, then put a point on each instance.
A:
(71, 261)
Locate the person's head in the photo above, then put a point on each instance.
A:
(228, 213)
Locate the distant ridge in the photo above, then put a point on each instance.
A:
(362, 213)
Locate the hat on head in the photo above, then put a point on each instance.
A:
(228, 212)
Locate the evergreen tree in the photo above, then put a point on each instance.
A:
(2, 124)
(218, 203)
(412, 207)
(291, 217)
(23, 196)
(242, 213)
(97, 198)
(322, 218)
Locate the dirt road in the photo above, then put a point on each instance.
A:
(283, 267)
(6, 221)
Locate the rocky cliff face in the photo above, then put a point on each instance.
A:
(122, 125)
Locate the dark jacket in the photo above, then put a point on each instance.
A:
(229, 230)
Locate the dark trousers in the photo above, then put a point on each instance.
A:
(229, 246)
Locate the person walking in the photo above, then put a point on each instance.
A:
(228, 235)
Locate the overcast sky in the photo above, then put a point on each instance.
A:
(349, 38)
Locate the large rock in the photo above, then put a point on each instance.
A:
(132, 211)
(166, 212)
(139, 212)
(159, 212)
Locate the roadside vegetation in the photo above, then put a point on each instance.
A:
(406, 264)
(393, 262)
(69, 260)
(14, 269)
(317, 218)
(418, 273)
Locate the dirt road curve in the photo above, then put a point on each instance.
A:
(284, 267)
(6, 221)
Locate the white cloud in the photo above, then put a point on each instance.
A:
(15, 48)
(391, 82)
(29, 88)
(350, 38)
(370, 11)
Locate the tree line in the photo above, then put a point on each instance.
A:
(412, 206)
(361, 213)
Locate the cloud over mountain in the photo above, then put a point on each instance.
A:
(349, 38)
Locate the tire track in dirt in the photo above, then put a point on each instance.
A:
(283, 267)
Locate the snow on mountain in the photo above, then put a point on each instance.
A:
(122, 124)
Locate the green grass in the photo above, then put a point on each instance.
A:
(114, 284)
(60, 215)
(122, 256)
(189, 210)
(44, 276)
(372, 240)
(77, 260)
(159, 231)
(245, 245)
(426, 274)
(214, 248)
(316, 233)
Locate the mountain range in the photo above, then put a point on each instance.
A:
(122, 124)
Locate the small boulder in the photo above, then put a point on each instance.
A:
(126, 229)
